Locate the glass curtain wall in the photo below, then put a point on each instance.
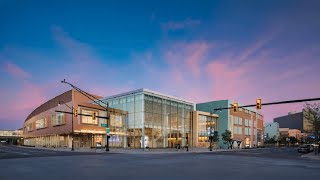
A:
(167, 123)
(126, 131)
(163, 123)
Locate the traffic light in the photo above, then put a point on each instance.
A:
(94, 114)
(258, 103)
(235, 107)
(75, 113)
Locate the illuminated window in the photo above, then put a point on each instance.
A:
(41, 123)
(29, 127)
(88, 119)
(57, 119)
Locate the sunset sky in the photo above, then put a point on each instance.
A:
(197, 50)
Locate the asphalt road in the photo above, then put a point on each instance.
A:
(11, 152)
(184, 166)
(279, 153)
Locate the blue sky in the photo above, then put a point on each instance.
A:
(198, 50)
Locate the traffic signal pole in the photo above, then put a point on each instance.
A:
(95, 100)
(72, 148)
(274, 103)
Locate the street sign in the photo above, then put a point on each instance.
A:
(104, 125)
(108, 131)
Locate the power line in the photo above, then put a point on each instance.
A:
(91, 97)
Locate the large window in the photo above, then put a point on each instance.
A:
(57, 119)
(237, 120)
(202, 129)
(237, 130)
(41, 123)
(88, 119)
(29, 127)
(247, 122)
(115, 120)
(247, 131)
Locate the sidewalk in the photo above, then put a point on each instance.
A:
(311, 156)
(136, 151)
(166, 150)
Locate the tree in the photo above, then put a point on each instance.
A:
(226, 138)
(267, 139)
(293, 140)
(312, 116)
(273, 140)
(215, 137)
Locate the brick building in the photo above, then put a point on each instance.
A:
(46, 127)
(246, 126)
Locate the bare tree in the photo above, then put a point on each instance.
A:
(312, 116)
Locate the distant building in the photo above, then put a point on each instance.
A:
(293, 121)
(11, 136)
(284, 132)
(11, 133)
(272, 130)
(246, 125)
(295, 133)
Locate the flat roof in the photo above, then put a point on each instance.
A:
(150, 92)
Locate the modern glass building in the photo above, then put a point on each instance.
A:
(154, 119)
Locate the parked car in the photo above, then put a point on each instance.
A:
(306, 148)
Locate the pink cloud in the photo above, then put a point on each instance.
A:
(259, 44)
(267, 76)
(186, 56)
(15, 70)
(198, 50)
(227, 82)
(22, 102)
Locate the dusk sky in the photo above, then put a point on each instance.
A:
(196, 50)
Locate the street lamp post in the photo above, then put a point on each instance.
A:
(211, 132)
(107, 133)
(72, 109)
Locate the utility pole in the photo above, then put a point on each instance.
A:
(75, 114)
(95, 100)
